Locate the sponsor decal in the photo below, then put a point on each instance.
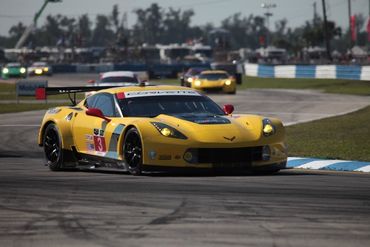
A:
(101, 132)
(53, 110)
(90, 147)
(96, 132)
(149, 93)
(89, 138)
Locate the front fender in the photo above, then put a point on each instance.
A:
(63, 120)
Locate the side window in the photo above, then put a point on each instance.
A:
(89, 102)
(105, 103)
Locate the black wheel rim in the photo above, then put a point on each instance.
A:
(52, 146)
(133, 150)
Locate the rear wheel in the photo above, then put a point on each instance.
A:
(132, 151)
(52, 144)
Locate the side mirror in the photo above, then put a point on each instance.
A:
(95, 112)
(228, 109)
(91, 81)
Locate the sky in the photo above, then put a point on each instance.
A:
(206, 11)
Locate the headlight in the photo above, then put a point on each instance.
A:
(46, 69)
(268, 128)
(197, 83)
(23, 70)
(190, 79)
(5, 70)
(168, 131)
(228, 82)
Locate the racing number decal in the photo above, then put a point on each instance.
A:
(99, 142)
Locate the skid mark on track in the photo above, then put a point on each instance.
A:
(174, 215)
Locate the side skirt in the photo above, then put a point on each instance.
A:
(88, 161)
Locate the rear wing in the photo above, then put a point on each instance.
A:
(42, 92)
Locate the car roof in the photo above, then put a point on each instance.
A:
(213, 72)
(118, 73)
(146, 88)
(13, 64)
(39, 63)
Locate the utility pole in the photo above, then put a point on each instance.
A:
(314, 11)
(326, 34)
(349, 22)
(268, 14)
(30, 28)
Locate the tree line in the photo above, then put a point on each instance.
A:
(157, 25)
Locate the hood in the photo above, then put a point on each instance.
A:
(203, 118)
(205, 128)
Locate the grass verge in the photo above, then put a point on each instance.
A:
(326, 85)
(9, 108)
(344, 137)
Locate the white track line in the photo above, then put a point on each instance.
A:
(318, 164)
(19, 125)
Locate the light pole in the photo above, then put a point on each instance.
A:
(268, 14)
(29, 29)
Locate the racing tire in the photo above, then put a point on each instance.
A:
(52, 143)
(132, 151)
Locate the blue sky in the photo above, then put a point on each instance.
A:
(295, 11)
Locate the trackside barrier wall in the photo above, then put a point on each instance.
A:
(352, 72)
(144, 70)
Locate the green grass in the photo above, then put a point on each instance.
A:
(7, 92)
(9, 108)
(344, 137)
(326, 85)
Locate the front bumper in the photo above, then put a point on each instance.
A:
(217, 86)
(212, 155)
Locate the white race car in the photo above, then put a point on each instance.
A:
(117, 78)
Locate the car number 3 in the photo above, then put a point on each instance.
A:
(99, 142)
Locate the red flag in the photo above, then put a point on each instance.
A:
(368, 29)
(353, 28)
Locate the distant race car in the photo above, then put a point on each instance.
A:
(215, 80)
(13, 70)
(40, 68)
(188, 77)
(157, 127)
(116, 78)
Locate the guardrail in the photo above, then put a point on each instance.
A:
(352, 72)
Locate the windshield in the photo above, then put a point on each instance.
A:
(119, 79)
(195, 71)
(13, 65)
(214, 76)
(38, 64)
(171, 105)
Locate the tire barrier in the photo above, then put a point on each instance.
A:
(352, 72)
(334, 165)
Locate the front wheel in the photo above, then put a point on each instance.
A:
(52, 144)
(132, 151)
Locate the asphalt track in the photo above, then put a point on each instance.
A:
(292, 208)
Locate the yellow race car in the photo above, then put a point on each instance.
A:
(214, 80)
(145, 128)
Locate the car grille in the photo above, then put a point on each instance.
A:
(226, 155)
(212, 89)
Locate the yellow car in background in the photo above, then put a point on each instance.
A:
(40, 68)
(215, 80)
